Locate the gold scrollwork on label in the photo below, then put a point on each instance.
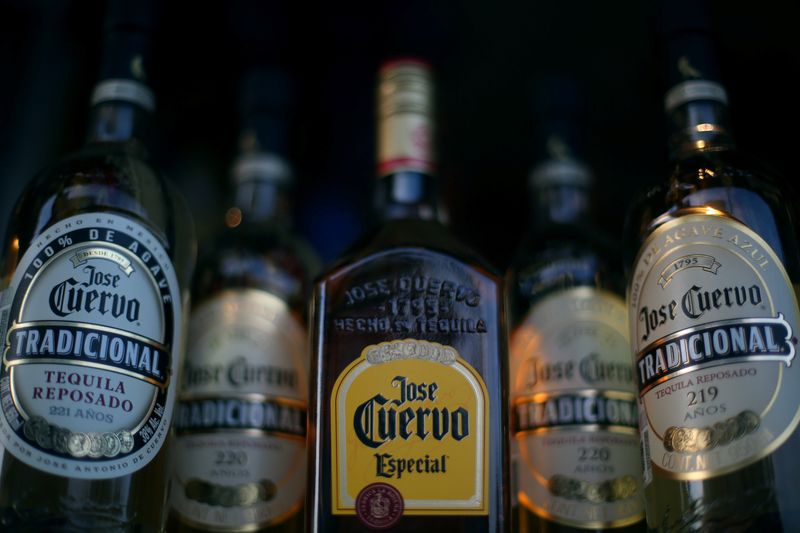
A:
(410, 349)
(691, 440)
(82, 256)
(75, 443)
(610, 490)
(242, 495)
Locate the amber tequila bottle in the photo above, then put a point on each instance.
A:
(96, 267)
(712, 303)
(408, 408)
(575, 445)
(240, 461)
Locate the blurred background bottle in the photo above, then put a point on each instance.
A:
(574, 446)
(240, 461)
(714, 268)
(96, 267)
(485, 54)
(408, 410)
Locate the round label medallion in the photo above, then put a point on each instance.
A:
(379, 506)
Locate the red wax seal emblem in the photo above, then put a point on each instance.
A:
(379, 506)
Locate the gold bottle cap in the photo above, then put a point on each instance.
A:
(405, 109)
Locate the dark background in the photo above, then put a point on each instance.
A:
(486, 54)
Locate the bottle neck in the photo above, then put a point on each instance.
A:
(696, 103)
(122, 102)
(262, 197)
(560, 194)
(698, 119)
(120, 113)
(407, 194)
(405, 153)
(262, 173)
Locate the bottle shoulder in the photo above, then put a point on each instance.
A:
(106, 176)
(721, 183)
(712, 170)
(110, 178)
(558, 258)
(409, 237)
(721, 179)
(563, 240)
(274, 260)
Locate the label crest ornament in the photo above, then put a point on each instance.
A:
(379, 506)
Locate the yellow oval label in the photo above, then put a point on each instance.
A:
(412, 414)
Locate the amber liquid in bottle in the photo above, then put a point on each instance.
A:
(408, 413)
(101, 308)
(729, 460)
(240, 460)
(574, 440)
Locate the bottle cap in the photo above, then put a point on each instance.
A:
(266, 90)
(128, 53)
(559, 113)
(558, 106)
(266, 101)
(691, 67)
(405, 109)
(127, 15)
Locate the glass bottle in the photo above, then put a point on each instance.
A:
(240, 462)
(408, 409)
(575, 449)
(714, 267)
(96, 266)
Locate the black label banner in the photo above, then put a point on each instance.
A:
(112, 349)
(749, 339)
(235, 413)
(571, 410)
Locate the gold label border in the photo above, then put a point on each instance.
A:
(413, 507)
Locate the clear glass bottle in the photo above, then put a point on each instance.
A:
(574, 438)
(408, 411)
(96, 267)
(714, 267)
(240, 462)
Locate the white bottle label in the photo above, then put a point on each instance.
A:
(573, 408)
(240, 461)
(92, 337)
(714, 323)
